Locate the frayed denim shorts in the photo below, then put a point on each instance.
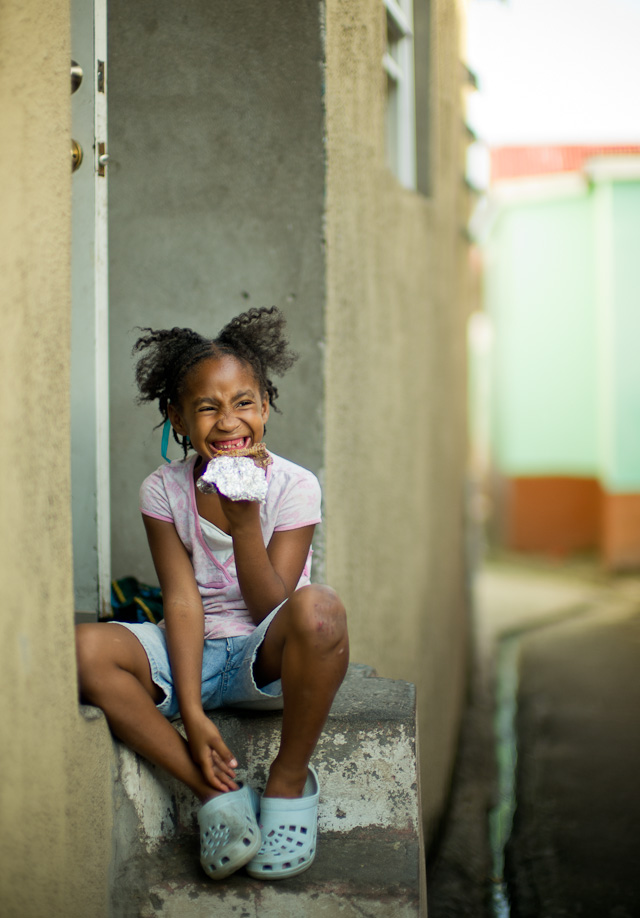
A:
(227, 670)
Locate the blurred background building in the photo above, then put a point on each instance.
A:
(554, 381)
(560, 236)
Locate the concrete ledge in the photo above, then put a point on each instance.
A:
(366, 762)
(369, 874)
(370, 843)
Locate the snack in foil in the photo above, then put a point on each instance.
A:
(258, 453)
(236, 477)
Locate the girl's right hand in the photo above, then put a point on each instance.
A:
(210, 753)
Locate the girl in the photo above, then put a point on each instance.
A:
(242, 623)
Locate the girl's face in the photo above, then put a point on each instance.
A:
(221, 407)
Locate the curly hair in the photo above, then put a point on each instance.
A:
(257, 338)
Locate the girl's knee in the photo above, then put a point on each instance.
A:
(317, 613)
(106, 653)
(86, 643)
(98, 652)
(90, 653)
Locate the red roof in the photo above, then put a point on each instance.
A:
(518, 162)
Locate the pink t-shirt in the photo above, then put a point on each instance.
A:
(293, 500)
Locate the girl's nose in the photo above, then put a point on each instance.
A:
(227, 421)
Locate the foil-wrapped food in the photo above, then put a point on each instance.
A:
(238, 474)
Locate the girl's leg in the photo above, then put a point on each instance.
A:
(114, 675)
(307, 647)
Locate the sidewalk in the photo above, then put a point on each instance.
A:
(574, 848)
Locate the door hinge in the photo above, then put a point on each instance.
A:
(103, 158)
(101, 76)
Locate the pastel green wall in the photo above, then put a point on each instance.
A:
(618, 213)
(562, 287)
(540, 293)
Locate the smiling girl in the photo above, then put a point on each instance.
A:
(243, 625)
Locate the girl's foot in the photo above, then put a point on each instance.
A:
(289, 829)
(286, 782)
(229, 833)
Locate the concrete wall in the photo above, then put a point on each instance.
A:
(55, 815)
(395, 379)
(217, 203)
(211, 233)
(216, 192)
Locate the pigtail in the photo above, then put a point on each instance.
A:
(169, 355)
(258, 336)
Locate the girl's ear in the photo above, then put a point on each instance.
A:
(176, 421)
(265, 409)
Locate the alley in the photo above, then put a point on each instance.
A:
(550, 804)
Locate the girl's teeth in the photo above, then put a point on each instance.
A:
(236, 444)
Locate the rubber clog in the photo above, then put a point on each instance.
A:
(289, 831)
(229, 833)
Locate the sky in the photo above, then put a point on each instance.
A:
(555, 71)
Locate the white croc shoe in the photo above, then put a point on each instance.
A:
(229, 833)
(289, 830)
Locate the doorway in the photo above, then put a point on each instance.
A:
(90, 500)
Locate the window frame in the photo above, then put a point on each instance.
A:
(400, 115)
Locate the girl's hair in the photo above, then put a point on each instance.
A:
(257, 338)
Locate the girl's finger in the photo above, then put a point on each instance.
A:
(223, 783)
(215, 778)
(223, 751)
(217, 773)
(227, 783)
(222, 765)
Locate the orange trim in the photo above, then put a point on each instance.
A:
(558, 515)
(521, 162)
(554, 515)
(621, 531)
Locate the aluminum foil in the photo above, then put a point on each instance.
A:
(237, 478)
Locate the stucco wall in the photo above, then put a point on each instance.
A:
(217, 190)
(395, 380)
(55, 837)
(216, 194)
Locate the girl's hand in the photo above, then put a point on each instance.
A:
(210, 753)
(240, 513)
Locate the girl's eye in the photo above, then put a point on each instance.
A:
(244, 404)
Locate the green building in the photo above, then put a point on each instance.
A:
(560, 238)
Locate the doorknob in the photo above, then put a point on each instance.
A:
(76, 155)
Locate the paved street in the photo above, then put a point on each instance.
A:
(573, 641)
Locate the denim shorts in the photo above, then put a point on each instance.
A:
(227, 670)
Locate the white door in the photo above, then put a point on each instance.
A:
(89, 323)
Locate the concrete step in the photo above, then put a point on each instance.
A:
(370, 854)
(372, 874)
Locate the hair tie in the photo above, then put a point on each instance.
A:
(164, 446)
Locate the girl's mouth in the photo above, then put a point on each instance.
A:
(239, 443)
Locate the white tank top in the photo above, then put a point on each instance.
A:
(218, 542)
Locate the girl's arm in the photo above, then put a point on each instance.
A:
(184, 629)
(267, 574)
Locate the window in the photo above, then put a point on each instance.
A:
(399, 69)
